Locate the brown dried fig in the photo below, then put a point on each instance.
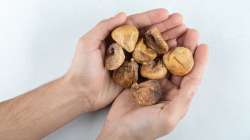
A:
(126, 36)
(147, 93)
(155, 40)
(153, 70)
(127, 74)
(143, 54)
(179, 61)
(114, 57)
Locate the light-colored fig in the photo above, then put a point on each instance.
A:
(153, 70)
(127, 74)
(147, 93)
(155, 40)
(114, 57)
(142, 54)
(179, 61)
(126, 36)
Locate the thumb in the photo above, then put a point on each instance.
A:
(104, 27)
(179, 106)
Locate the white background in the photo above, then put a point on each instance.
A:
(37, 40)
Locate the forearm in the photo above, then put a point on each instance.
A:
(41, 111)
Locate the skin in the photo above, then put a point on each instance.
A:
(41, 111)
(126, 119)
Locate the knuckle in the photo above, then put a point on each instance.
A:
(101, 23)
(82, 40)
(163, 10)
(193, 32)
(168, 120)
(178, 18)
(170, 123)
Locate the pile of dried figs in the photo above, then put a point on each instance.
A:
(140, 60)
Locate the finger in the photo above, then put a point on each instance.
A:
(174, 32)
(171, 95)
(148, 18)
(123, 104)
(179, 105)
(190, 40)
(103, 49)
(180, 39)
(193, 79)
(104, 27)
(174, 20)
(172, 43)
(95, 36)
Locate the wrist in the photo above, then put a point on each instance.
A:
(79, 91)
(115, 133)
(123, 130)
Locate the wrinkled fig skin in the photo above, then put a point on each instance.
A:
(147, 93)
(179, 61)
(155, 40)
(126, 36)
(114, 57)
(153, 70)
(142, 54)
(127, 74)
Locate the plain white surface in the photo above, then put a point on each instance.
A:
(37, 41)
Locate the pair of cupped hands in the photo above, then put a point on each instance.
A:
(126, 119)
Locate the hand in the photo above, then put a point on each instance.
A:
(87, 73)
(127, 120)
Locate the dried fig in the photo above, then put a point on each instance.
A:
(114, 57)
(126, 36)
(147, 93)
(127, 74)
(153, 70)
(142, 54)
(179, 61)
(155, 40)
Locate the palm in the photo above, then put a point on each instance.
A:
(171, 28)
(139, 119)
(89, 56)
(158, 18)
(90, 72)
(161, 118)
(100, 80)
(170, 86)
